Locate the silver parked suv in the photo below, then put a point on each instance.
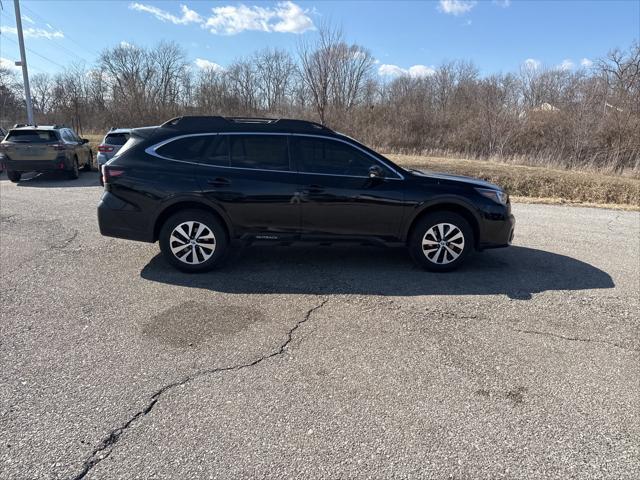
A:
(110, 145)
(41, 148)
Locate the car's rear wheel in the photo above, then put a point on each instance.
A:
(193, 241)
(441, 241)
(75, 170)
(14, 176)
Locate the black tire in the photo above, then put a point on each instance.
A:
(435, 255)
(199, 217)
(89, 165)
(14, 176)
(74, 173)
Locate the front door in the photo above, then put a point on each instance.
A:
(337, 195)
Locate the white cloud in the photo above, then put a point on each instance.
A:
(8, 64)
(31, 32)
(586, 63)
(208, 65)
(188, 15)
(125, 44)
(419, 71)
(28, 19)
(286, 17)
(456, 7)
(502, 3)
(532, 63)
(390, 70)
(567, 64)
(415, 71)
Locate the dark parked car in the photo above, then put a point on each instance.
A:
(42, 148)
(199, 184)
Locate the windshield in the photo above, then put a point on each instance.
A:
(31, 136)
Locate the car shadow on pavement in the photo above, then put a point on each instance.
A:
(57, 179)
(517, 272)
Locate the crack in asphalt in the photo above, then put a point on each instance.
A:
(65, 243)
(574, 339)
(105, 447)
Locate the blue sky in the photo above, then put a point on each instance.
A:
(404, 36)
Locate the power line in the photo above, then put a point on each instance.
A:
(37, 15)
(36, 53)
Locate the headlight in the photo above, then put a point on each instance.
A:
(497, 196)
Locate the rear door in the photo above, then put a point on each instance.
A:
(338, 196)
(250, 177)
(36, 145)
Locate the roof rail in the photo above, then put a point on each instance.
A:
(205, 122)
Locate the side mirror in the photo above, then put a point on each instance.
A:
(85, 140)
(375, 171)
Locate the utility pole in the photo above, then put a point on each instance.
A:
(23, 64)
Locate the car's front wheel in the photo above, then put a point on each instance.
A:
(89, 165)
(441, 241)
(193, 241)
(74, 173)
(14, 176)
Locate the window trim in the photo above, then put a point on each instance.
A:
(152, 151)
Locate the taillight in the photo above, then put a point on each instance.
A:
(57, 146)
(110, 172)
(105, 148)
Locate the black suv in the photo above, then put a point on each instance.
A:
(199, 184)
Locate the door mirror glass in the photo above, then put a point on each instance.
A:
(375, 171)
(85, 140)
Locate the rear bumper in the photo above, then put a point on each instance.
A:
(119, 219)
(36, 165)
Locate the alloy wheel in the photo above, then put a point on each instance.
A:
(192, 242)
(443, 243)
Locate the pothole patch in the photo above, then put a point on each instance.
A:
(192, 323)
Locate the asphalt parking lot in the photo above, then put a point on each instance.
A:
(315, 362)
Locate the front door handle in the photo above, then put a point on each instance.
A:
(314, 189)
(219, 182)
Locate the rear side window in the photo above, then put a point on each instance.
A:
(32, 136)
(216, 151)
(329, 157)
(116, 138)
(265, 152)
(186, 148)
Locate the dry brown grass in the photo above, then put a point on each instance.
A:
(538, 183)
(525, 183)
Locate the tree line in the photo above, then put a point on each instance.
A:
(580, 119)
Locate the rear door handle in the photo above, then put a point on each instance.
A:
(219, 182)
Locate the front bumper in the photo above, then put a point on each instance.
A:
(497, 230)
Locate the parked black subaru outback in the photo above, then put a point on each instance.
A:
(199, 184)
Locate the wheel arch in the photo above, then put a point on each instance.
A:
(448, 205)
(191, 204)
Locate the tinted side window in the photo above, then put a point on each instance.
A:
(267, 152)
(66, 136)
(187, 148)
(316, 155)
(216, 151)
(74, 137)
